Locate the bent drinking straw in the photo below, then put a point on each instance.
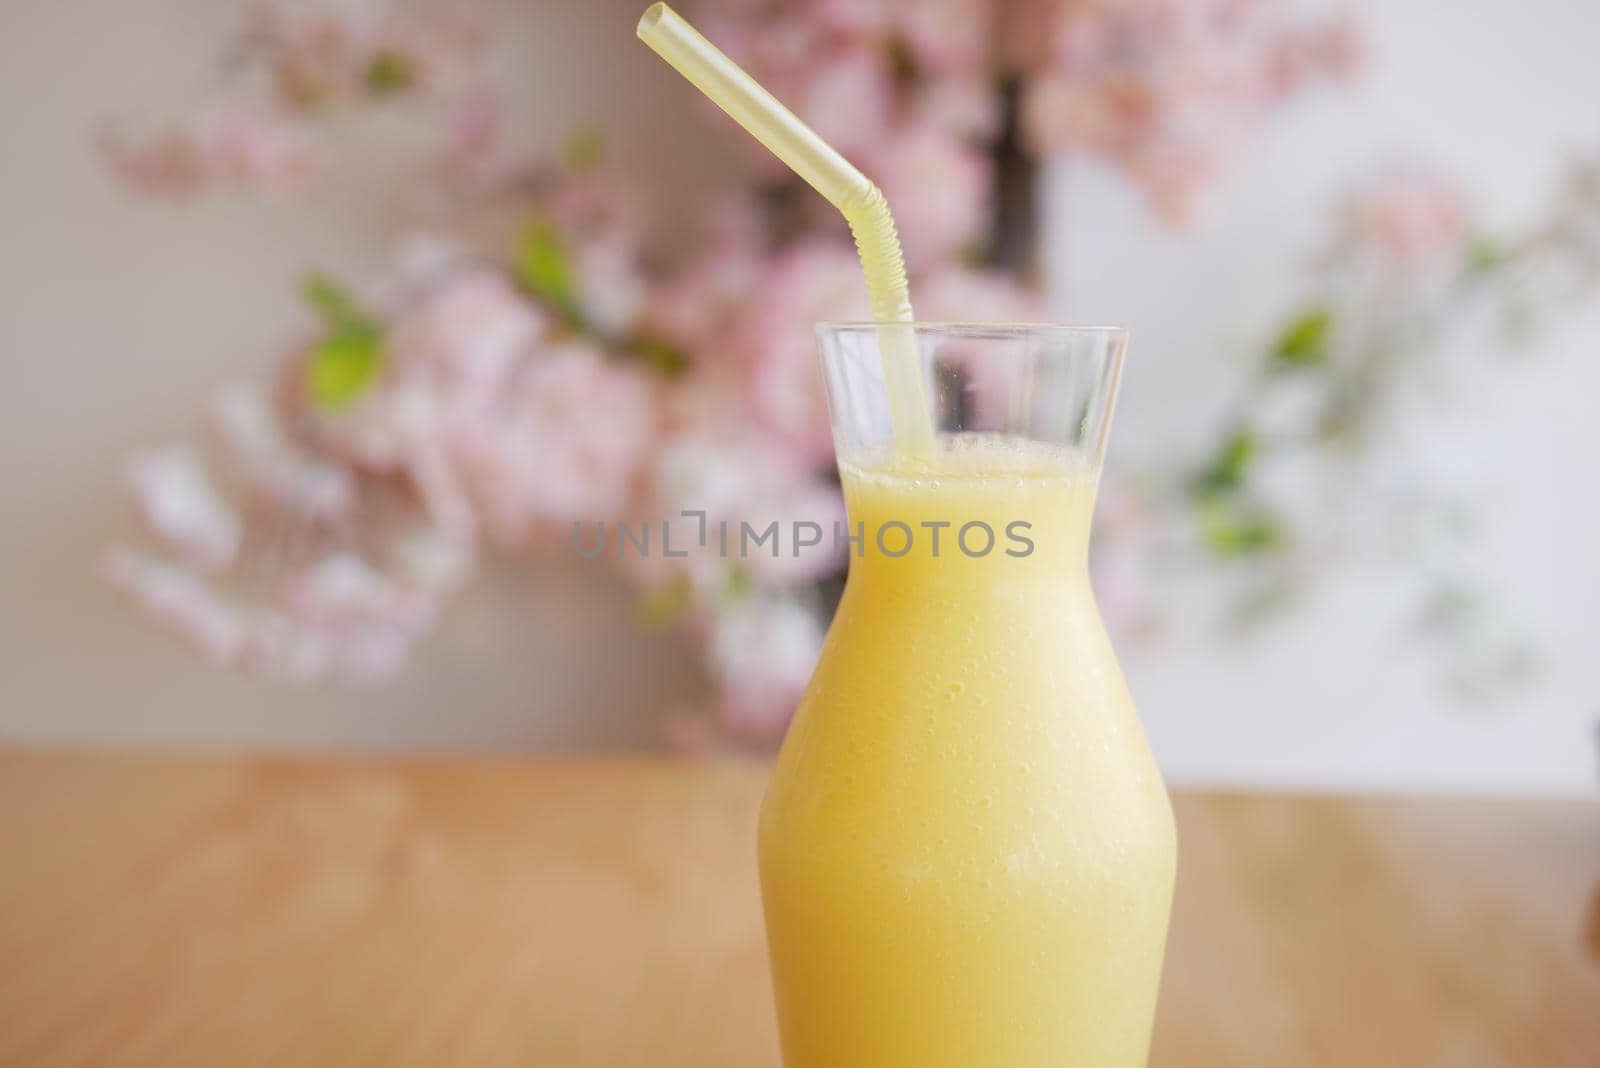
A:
(845, 187)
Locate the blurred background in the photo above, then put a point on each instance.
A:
(323, 321)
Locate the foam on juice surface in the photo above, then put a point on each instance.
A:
(970, 457)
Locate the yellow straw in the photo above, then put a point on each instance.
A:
(830, 174)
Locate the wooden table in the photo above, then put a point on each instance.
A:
(213, 912)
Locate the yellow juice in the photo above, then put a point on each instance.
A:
(967, 853)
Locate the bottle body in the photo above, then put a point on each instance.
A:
(967, 854)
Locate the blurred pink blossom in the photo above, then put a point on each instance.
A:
(179, 504)
(179, 598)
(738, 479)
(169, 165)
(937, 186)
(226, 148)
(841, 84)
(497, 432)
(251, 432)
(964, 108)
(600, 219)
(346, 618)
(1171, 91)
(853, 18)
(476, 157)
(952, 292)
(322, 52)
(452, 359)
(565, 442)
(761, 650)
(308, 570)
(692, 306)
(1306, 54)
(468, 334)
(1128, 528)
(949, 37)
(296, 61)
(449, 356)
(610, 283)
(1408, 221)
(248, 152)
(428, 559)
(847, 97)
(337, 618)
(773, 343)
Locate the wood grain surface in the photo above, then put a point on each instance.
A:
(214, 912)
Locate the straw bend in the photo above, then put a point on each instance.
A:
(860, 202)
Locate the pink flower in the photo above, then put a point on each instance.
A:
(428, 559)
(348, 618)
(937, 187)
(447, 358)
(252, 432)
(946, 36)
(1126, 538)
(468, 335)
(227, 148)
(180, 506)
(968, 109)
(452, 360)
(169, 165)
(249, 153)
(475, 156)
(610, 284)
(564, 443)
(339, 617)
(1408, 221)
(847, 97)
(774, 345)
(761, 652)
(692, 307)
(180, 599)
(850, 18)
(310, 50)
(1171, 91)
(840, 84)
(1333, 49)
(953, 293)
(738, 481)
(319, 54)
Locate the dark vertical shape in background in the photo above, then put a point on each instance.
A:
(1015, 238)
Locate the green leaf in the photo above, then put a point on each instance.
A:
(342, 367)
(1304, 341)
(350, 355)
(1230, 531)
(663, 606)
(739, 583)
(543, 267)
(391, 72)
(333, 303)
(585, 149)
(1229, 468)
(1484, 256)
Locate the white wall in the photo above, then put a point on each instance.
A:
(1498, 94)
(117, 319)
